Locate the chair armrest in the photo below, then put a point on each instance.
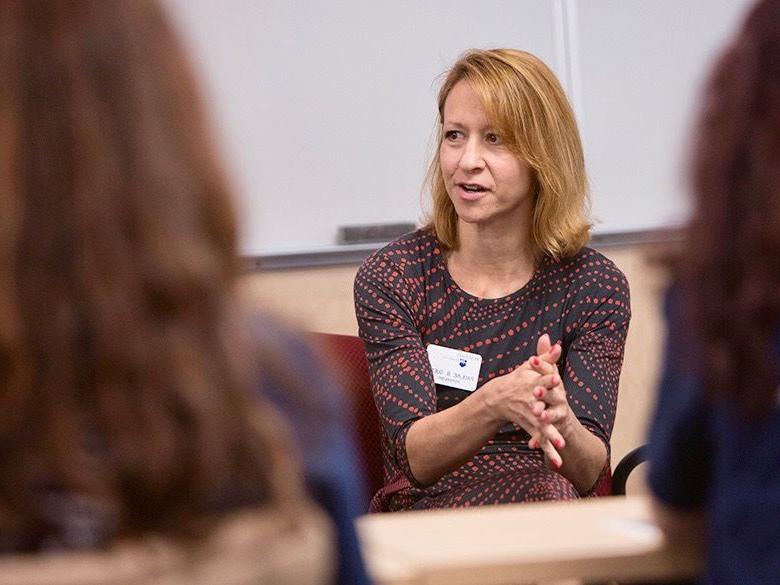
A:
(624, 468)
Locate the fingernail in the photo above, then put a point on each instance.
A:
(532, 444)
(558, 443)
(538, 392)
(535, 361)
(557, 464)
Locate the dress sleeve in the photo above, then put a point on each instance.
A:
(679, 443)
(386, 303)
(596, 330)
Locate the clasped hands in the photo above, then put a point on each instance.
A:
(532, 397)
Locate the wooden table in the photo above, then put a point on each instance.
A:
(598, 539)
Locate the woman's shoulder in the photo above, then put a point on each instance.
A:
(591, 272)
(410, 251)
(590, 285)
(591, 260)
(400, 267)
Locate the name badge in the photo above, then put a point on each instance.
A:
(454, 368)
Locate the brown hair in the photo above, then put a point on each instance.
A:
(731, 267)
(524, 100)
(125, 371)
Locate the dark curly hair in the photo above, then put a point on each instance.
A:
(730, 269)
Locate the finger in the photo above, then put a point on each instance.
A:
(551, 397)
(553, 354)
(548, 449)
(529, 422)
(541, 366)
(550, 434)
(543, 344)
(548, 381)
(555, 397)
(552, 415)
(552, 454)
(537, 408)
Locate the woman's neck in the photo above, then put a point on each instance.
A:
(490, 263)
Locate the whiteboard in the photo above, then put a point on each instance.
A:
(641, 66)
(325, 111)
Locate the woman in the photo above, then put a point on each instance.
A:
(498, 274)
(715, 441)
(134, 396)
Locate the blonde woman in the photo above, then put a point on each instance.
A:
(495, 338)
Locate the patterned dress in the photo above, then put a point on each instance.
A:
(405, 299)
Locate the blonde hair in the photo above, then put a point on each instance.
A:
(526, 103)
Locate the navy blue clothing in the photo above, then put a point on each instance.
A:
(318, 420)
(704, 457)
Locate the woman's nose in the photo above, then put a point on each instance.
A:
(472, 157)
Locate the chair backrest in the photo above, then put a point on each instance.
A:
(623, 469)
(349, 363)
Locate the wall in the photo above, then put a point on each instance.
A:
(321, 300)
(326, 109)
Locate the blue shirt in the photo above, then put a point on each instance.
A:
(317, 417)
(705, 456)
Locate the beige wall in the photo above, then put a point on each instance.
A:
(320, 299)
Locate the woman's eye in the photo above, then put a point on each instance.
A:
(493, 138)
(452, 135)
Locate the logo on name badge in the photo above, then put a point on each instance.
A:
(454, 368)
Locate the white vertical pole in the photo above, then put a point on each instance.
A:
(566, 38)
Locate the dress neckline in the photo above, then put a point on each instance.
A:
(441, 259)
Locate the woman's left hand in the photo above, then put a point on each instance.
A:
(583, 453)
(556, 409)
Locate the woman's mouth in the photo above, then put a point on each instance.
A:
(471, 191)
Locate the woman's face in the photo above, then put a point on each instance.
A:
(487, 183)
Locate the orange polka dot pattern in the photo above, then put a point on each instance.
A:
(405, 299)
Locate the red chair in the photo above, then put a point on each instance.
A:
(349, 359)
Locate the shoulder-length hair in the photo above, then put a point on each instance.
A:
(527, 104)
(731, 265)
(125, 368)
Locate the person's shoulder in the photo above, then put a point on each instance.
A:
(287, 364)
(285, 355)
(591, 271)
(408, 247)
(409, 253)
(268, 332)
(590, 260)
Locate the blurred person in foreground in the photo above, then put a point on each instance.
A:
(715, 440)
(137, 435)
